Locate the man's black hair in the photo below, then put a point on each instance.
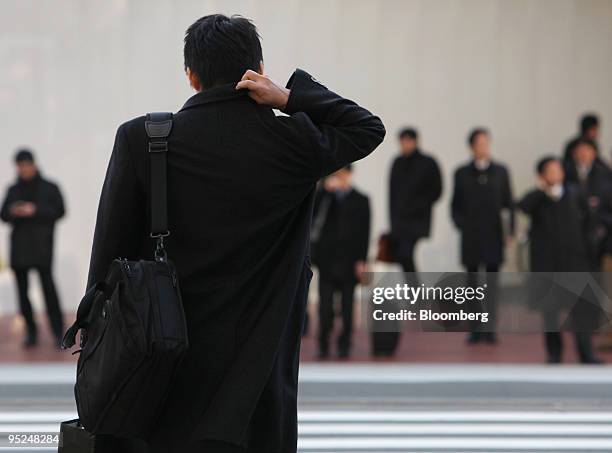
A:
(220, 49)
(543, 162)
(24, 155)
(474, 133)
(408, 132)
(348, 167)
(586, 141)
(587, 122)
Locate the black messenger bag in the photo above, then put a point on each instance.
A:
(133, 330)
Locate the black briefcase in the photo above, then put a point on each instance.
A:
(74, 438)
(133, 329)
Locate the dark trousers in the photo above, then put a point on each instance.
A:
(328, 288)
(490, 302)
(405, 254)
(553, 339)
(51, 300)
(554, 346)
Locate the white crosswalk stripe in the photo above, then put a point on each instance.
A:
(322, 431)
(454, 431)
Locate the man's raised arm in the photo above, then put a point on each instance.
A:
(339, 131)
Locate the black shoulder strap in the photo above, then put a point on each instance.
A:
(158, 127)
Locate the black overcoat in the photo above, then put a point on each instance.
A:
(241, 185)
(345, 234)
(557, 232)
(478, 200)
(557, 243)
(414, 186)
(32, 237)
(598, 184)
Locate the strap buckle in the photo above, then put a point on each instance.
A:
(158, 147)
(160, 249)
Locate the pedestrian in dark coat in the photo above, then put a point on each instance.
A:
(557, 244)
(482, 191)
(414, 186)
(241, 187)
(340, 239)
(593, 178)
(32, 206)
(588, 130)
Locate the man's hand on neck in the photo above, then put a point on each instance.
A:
(264, 90)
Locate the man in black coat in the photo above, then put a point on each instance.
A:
(557, 244)
(415, 185)
(593, 178)
(482, 191)
(32, 206)
(241, 187)
(588, 130)
(340, 238)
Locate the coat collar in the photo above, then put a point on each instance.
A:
(216, 94)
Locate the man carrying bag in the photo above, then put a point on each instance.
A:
(241, 184)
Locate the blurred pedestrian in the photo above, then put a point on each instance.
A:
(482, 191)
(593, 178)
(557, 244)
(415, 185)
(588, 129)
(340, 238)
(32, 206)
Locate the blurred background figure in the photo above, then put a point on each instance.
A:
(588, 129)
(415, 185)
(482, 190)
(593, 179)
(557, 244)
(32, 206)
(340, 237)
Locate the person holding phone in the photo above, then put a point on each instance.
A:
(32, 206)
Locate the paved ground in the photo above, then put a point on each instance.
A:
(388, 407)
(415, 347)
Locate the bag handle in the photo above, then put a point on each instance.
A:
(158, 126)
(83, 312)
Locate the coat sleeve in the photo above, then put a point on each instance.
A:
(436, 183)
(393, 194)
(338, 130)
(457, 207)
(54, 209)
(508, 202)
(364, 241)
(121, 212)
(432, 189)
(530, 203)
(5, 213)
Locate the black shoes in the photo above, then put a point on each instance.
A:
(343, 353)
(482, 337)
(593, 360)
(30, 340)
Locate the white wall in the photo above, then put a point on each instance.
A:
(71, 71)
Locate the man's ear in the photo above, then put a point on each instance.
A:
(194, 81)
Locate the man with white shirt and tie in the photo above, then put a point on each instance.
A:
(482, 191)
